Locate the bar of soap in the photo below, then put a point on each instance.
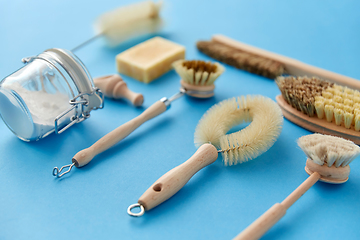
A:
(150, 59)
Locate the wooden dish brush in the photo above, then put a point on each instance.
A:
(211, 138)
(265, 63)
(328, 161)
(197, 81)
(320, 106)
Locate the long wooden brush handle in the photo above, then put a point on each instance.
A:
(292, 66)
(261, 225)
(172, 181)
(85, 156)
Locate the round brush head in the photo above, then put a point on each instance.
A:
(329, 156)
(265, 119)
(198, 77)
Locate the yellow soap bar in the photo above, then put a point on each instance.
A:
(150, 59)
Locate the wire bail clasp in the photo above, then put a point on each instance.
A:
(56, 170)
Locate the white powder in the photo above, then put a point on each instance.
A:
(44, 108)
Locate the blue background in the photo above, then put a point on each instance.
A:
(218, 202)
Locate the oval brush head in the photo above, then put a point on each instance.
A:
(265, 127)
(329, 156)
(198, 77)
(332, 109)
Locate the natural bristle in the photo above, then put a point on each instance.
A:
(265, 127)
(240, 59)
(129, 21)
(316, 97)
(198, 72)
(329, 150)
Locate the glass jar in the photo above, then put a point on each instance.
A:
(52, 92)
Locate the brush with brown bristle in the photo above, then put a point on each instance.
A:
(265, 63)
(328, 161)
(320, 106)
(211, 138)
(198, 79)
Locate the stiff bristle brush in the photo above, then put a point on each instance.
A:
(198, 79)
(211, 138)
(265, 63)
(328, 161)
(320, 106)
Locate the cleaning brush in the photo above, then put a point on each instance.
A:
(210, 135)
(127, 22)
(320, 106)
(197, 81)
(328, 161)
(265, 63)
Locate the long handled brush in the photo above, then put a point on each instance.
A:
(265, 63)
(126, 22)
(210, 135)
(198, 79)
(328, 161)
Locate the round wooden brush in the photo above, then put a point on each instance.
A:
(210, 134)
(320, 106)
(328, 161)
(113, 86)
(197, 81)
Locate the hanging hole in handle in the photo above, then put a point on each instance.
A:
(157, 187)
(134, 214)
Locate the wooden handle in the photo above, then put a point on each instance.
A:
(172, 181)
(85, 156)
(261, 225)
(113, 86)
(292, 66)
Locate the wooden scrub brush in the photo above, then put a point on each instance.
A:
(328, 161)
(197, 81)
(113, 86)
(265, 63)
(320, 106)
(211, 138)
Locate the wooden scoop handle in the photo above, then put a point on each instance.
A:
(113, 86)
(261, 225)
(85, 156)
(172, 181)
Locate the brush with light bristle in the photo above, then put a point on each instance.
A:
(126, 22)
(265, 63)
(198, 79)
(328, 161)
(320, 106)
(211, 138)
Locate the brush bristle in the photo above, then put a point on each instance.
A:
(316, 97)
(329, 150)
(241, 59)
(266, 124)
(129, 21)
(198, 72)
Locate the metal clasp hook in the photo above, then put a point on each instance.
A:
(56, 170)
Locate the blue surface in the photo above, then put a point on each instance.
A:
(218, 202)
